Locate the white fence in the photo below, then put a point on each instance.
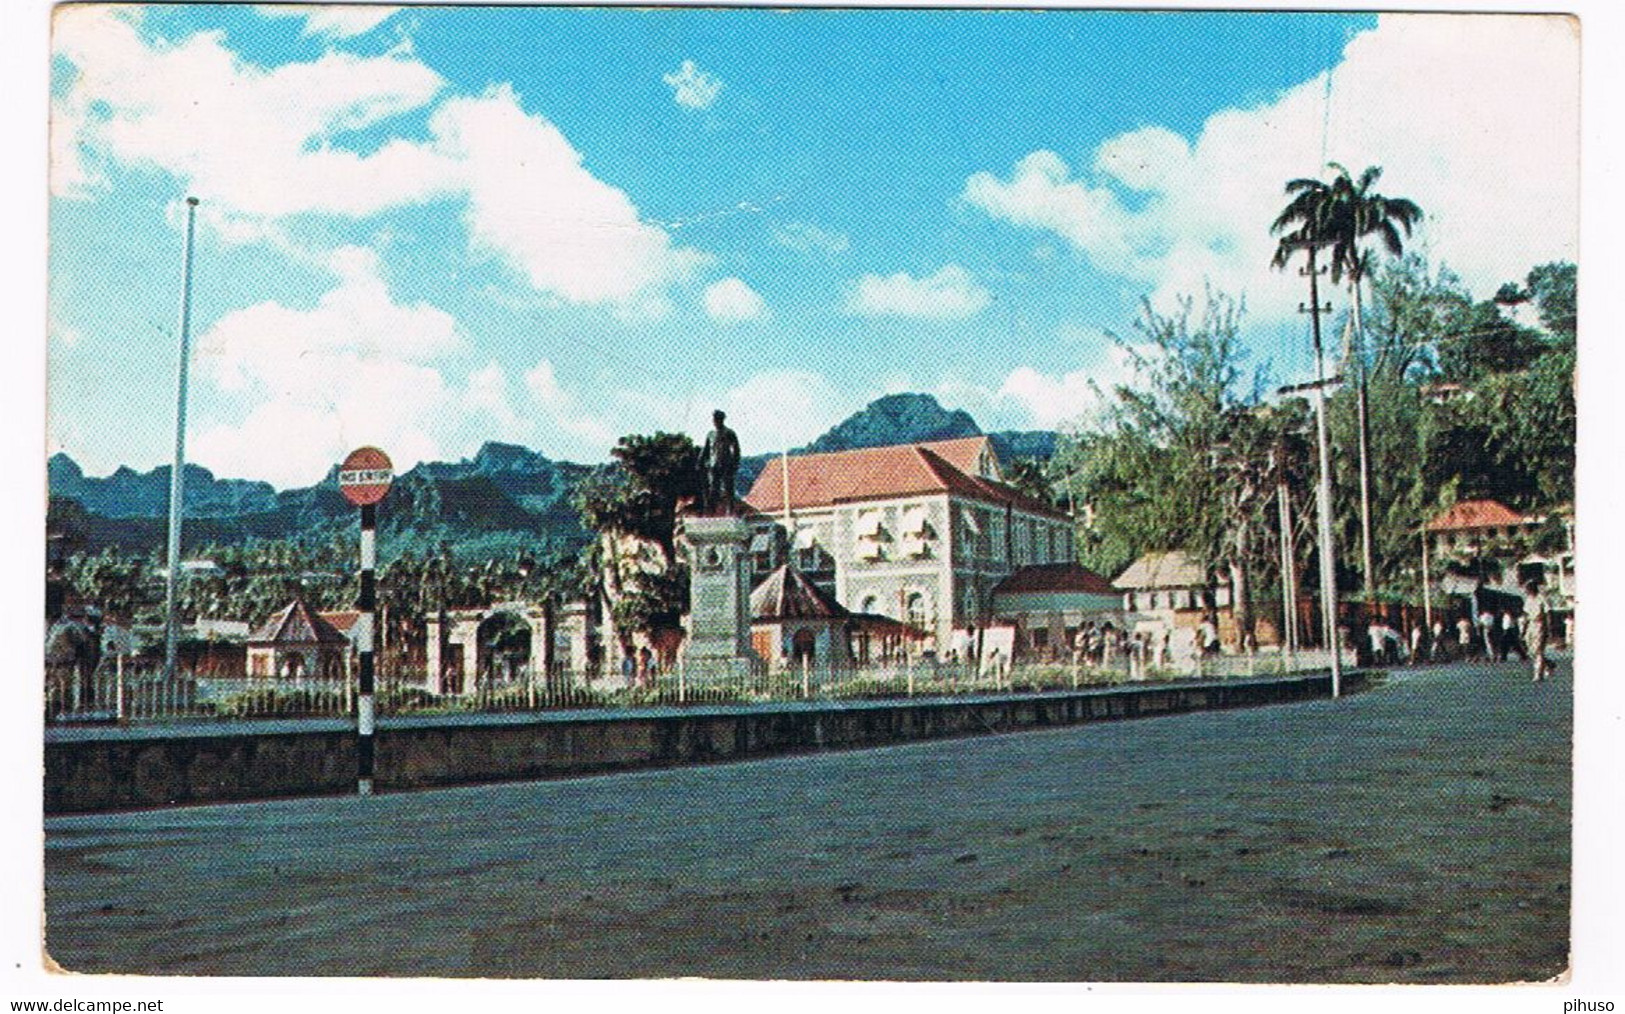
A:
(114, 693)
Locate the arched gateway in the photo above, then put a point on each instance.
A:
(476, 648)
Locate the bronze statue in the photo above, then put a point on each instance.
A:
(719, 462)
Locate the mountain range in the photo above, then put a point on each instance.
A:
(503, 495)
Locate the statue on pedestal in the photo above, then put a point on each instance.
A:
(719, 462)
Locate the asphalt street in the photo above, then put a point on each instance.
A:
(1415, 832)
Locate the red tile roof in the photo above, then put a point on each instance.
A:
(1470, 514)
(1055, 577)
(296, 624)
(341, 619)
(882, 473)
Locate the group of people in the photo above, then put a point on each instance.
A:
(1489, 636)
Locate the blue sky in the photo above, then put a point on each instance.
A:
(428, 228)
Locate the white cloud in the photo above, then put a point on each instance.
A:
(805, 237)
(950, 294)
(731, 300)
(533, 203)
(182, 107)
(335, 21)
(567, 412)
(1475, 117)
(779, 409)
(692, 87)
(356, 368)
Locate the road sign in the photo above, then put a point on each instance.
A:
(365, 476)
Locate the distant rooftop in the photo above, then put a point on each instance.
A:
(967, 466)
(296, 624)
(1172, 569)
(1055, 577)
(786, 594)
(1470, 514)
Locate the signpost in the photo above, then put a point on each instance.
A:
(364, 480)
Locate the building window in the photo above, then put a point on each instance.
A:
(914, 609)
(870, 534)
(916, 531)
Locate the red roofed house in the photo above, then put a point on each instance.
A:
(794, 622)
(297, 643)
(1478, 527)
(920, 533)
(1499, 541)
(1048, 602)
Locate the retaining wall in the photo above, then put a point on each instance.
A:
(110, 768)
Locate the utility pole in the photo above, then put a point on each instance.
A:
(1328, 573)
(176, 477)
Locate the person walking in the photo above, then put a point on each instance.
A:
(1487, 630)
(1535, 615)
(1511, 640)
(1436, 647)
(1464, 636)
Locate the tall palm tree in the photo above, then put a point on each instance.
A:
(1346, 212)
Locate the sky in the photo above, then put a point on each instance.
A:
(428, 228)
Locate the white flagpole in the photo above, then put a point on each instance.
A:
(176, 477)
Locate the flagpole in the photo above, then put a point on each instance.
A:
(176, 476)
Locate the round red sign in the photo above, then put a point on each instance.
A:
(365, 476)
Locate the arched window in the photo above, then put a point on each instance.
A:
(914, 609)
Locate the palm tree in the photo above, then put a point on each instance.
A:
(1345, 212)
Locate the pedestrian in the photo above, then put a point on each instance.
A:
(1464, 636)
(1208, 632)
(1416, 643)
(1436, 646)
(1511, 641)
(1373, 631)
(1486, 627)
(1535, 615)
(1393, 646)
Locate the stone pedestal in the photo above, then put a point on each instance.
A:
(717, 550)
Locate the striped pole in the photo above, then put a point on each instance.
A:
(364, 713)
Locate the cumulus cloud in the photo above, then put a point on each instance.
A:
(334, 21)
(533, 203)
(1475, 117)
(180, 108)
(358, 367)
(692, 87)
(731, 300)
(950, 294)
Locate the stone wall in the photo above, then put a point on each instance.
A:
(94, 769)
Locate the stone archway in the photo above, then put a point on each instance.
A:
(454, 641)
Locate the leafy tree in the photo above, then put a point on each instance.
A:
(1032, 477)
(633, 507)
(1180, 459)
(1346, 212)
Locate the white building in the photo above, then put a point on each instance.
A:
(920, 533)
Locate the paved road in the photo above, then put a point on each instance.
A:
(1415, 832)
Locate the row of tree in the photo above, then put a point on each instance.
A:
(1446, 398)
